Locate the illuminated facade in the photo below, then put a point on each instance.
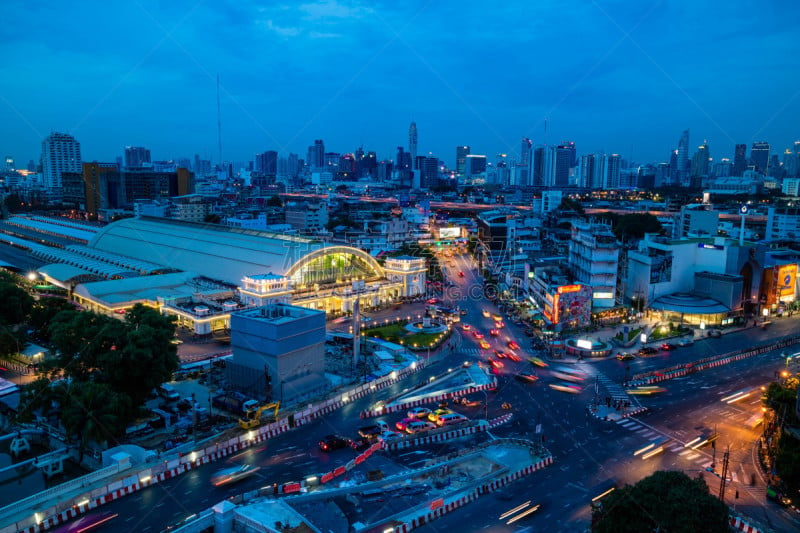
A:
(229, 269)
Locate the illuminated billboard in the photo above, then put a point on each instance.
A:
(785, 281)
(450, 233)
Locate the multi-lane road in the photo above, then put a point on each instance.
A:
(587, 451)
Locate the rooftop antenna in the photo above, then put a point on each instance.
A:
(219, 125)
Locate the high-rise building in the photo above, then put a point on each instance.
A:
(292, 165)
(613, 177)
(412, 142)
(682, 160)
(564, 163)
(701, 160)
(461, 159)
(759, 157)
(60, 153)
(474, 164)
(267, 163)
(739, 160)
(538, 166)
(594, 260)
(525, 163)
(587, 171)
(136, 156)
(791, 162)
(723, 168)
(316, 154)
(10, 164)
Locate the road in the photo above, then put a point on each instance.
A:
(587, 451)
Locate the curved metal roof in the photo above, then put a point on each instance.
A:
(218, 252)
(688, 303)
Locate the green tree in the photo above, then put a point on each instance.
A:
(212, 218)
(274, 201)
(81, 338)
(17, 302)
(44, 311)
(635, 225)
(664, 501)
(145, 356)
(93, 413)
(36, 396)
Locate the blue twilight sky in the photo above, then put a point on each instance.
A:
(623, 76)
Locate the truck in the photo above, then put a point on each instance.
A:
(234, 402)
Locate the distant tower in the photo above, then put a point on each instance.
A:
(461, 159)
(136, 156)
(525, 163)
(60, 153)
(412, 142)
(701, 161)
(759, 156)
(739, 160)
(682, 159)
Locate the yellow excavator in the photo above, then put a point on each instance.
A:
(252, 417)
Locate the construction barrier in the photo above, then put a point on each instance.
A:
(431, 399)
(737, 524)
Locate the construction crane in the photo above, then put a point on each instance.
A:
(252, 417)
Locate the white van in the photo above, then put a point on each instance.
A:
(451, 419)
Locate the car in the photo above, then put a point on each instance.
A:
(477, 334)
(501, 354)
(536, 361)
(625, 356)
(451, 419)
(528, 378)
(419, 426)
(486, 313)
(566, 387)
(513, 345)
(701, 440)
(466, 327)
(484, 345)
(467, 402)
(648, 350)
(388, 436)
(401, 425)
(434, 416)
(497, 318)
(460, 274)
(494, 332)
(418, 412)
(668, 346)
(463, 312)
(685, 342)
(495, 363)
(333, 442)
(373, 431)
(714, 333)
(499, 324)
(360, 444)
(513, 356)
(433, 301)
(646, 390)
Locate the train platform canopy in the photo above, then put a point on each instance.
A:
(224, 253)
(62, 274)
(124, 292)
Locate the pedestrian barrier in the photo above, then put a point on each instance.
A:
(738, 524)
(431, 399)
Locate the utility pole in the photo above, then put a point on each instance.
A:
(724, 473)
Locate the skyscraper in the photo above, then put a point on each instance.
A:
(267, 163)
(525, 163)
(701, 161)
(565, 162)
(759, 157)
(316, 154)
(682, 159)
(612, 181)
(739, 160)
(60, 153)
(136, 156)
(461, 159)
(587, 171)
(412, 142)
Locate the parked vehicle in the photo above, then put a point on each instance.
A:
(234, 402)
(168, 392)
(333, 442)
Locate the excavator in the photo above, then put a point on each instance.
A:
(252, 417)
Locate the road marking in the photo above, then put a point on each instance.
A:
(692, 456)
(643, 431)
(685, 452)
(677, 448)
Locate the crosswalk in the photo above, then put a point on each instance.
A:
(615, 390)
(700, 459)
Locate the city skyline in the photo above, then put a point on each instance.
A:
(624, 81)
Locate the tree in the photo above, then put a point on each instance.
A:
(665, 501)
(17, 302)
(145, 356)
(81, 338)
(44, 311)
(212, 218)
(92, 413)
(275, 201)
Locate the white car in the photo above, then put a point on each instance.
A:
(418, 412)
(389, 436)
